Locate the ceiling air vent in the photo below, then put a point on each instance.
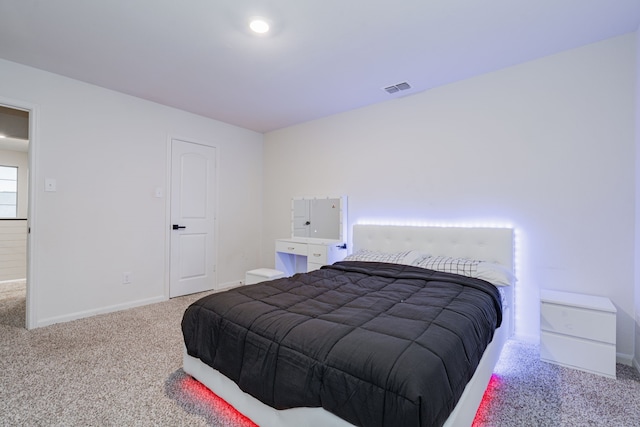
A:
(397, 87)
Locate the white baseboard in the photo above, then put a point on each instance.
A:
(229, 285)
(12, 281)
(101, 310)
(625, 359)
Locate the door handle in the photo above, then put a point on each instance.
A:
(177, 227)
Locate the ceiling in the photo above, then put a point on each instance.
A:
(322, 57)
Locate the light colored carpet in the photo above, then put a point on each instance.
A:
(12, 303)
(118, 369)
(525, 391)
(124, 369)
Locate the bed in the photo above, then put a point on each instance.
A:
(310, 385)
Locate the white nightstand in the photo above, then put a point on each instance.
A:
(578, 331)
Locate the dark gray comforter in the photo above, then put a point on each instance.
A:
(376, 344)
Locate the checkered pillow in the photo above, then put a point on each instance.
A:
(402, 257)
(492, 273)
(462, 266)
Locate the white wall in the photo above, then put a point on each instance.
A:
(637, 229)
(108, 153)
(547, 146)
(13, 250)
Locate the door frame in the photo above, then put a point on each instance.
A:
(31, 318)
(167, 219)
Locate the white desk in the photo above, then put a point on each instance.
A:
(296, 256)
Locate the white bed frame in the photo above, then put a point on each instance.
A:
(487, 244)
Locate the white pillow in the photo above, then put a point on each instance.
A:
(491, 272)
(497, 274)
(401, 257)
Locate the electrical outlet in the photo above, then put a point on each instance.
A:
(127, 277)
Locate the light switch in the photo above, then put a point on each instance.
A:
(49, 184)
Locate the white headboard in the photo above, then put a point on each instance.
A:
(479, 243)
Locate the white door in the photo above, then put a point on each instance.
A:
(193, 188)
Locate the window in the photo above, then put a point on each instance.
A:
(8, 191)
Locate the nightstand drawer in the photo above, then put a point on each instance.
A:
(578, 322)
(591, 356)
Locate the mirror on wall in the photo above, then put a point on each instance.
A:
(322, 218)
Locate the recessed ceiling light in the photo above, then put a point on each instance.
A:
(259, 25)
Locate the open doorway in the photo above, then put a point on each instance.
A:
(14, 201)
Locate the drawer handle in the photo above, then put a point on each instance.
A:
(317, 254)
(291, 248)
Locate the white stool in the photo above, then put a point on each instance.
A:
(261, 275)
